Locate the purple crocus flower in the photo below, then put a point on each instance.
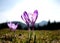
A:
(30, 17)
(12, 26)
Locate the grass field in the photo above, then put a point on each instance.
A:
(22, 36)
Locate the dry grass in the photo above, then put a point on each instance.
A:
(21, 36)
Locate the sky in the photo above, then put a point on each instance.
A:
(11, 10)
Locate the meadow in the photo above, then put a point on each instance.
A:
(22, 36)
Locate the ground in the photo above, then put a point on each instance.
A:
(22, 36)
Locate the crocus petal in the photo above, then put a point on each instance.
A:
(36, 11)
(14, 27)
(25, 15)
(22, 16)
(35, 15)
(9, 24)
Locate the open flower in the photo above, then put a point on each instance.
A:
(30, 18)
(12, 26)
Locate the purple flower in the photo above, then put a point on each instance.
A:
(30, 17)
(12, 26)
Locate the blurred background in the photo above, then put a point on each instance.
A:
(11, 10)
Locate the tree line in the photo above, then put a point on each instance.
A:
(49, 26)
